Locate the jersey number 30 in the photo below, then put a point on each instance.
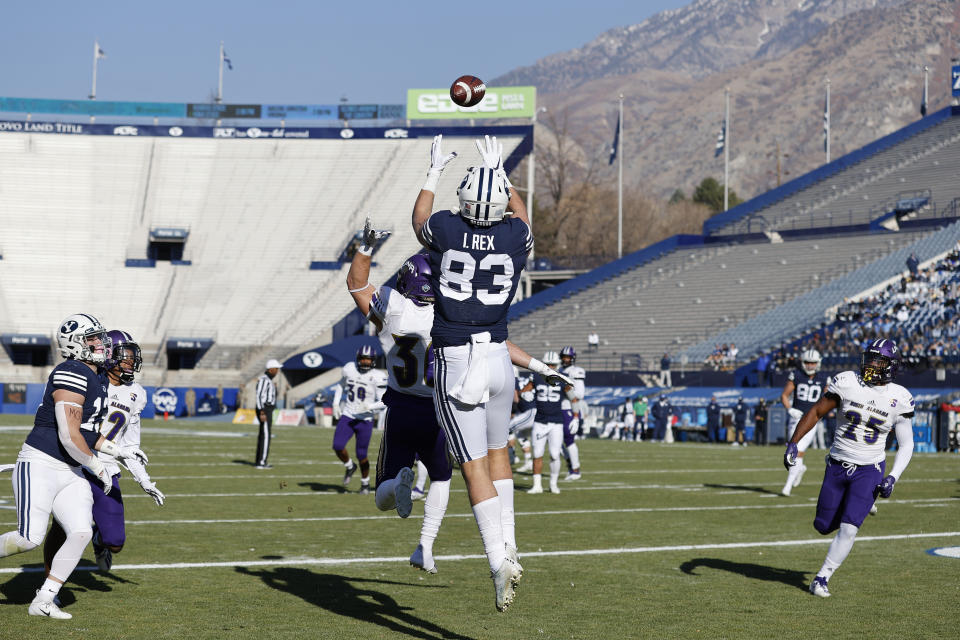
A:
(464, 279)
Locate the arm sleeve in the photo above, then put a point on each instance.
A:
(63, 432)
(337, 392)
(138, 471)
(904, 430)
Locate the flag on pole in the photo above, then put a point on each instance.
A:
(923, 100)
(226, 60)
(721, 140)
(616, 142)
(98, 52)
(826, 123)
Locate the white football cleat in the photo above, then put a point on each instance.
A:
(873, 509)
(527, 467)
(417, 494)
(416, 560)
(504, 582)
(104, 557)
(48, 610)
(554, 489)
(535, 489)
(573, 475)
(819, 587)
(401, 491)
(514, 556)
(803, 469)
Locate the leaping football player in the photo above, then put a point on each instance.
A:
(803, 388)
(869, 405)
(356, 403)
(476, 256)
(521, 422)
(66, 432)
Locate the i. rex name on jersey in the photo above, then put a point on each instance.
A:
(478, 242)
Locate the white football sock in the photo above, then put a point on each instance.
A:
(487, 514)
(67, 558)
(554, 471)
(384, 496)
(507, 518)
(792, 477)
(574, 452)
(537, 482)
(839, 550)
(434, 507)
(527, 456)
(348, 463)
(422, 475)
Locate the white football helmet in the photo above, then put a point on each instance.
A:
(810, 360)
(75, 335)
(551, 359)
(484, 194)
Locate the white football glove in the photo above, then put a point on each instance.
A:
(96, 468)
(575, 426)
(491, 151)
(336, 412)
(796, 414)
(376, 407)
(439, 161)
(151, 489)
(557, 378)
(371, 237)
(123, 453)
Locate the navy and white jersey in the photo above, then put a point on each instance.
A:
(548, 398)
(807, 389)
(525, 404)
(476, 271)
(75, 376)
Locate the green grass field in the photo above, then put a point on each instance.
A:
(656, 541)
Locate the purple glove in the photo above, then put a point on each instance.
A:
(790, 455)
(885, 488)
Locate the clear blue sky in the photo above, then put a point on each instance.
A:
(287, 52)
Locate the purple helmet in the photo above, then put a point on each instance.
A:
(568, 352)
(413, 280)
(125, 355)
(365, 358)
(879, 362)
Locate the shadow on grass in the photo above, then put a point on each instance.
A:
(340, 595)
(788, 577)
(740, 487)
(323, 487)
(249, 463)
(22, 588)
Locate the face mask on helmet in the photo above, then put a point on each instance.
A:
(879, 362)
(82, 337)
(365, 359)
(484, 195)
(568, 356)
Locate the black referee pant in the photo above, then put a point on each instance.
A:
(263, 439)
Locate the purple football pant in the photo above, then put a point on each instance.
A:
(568, 438)
(846, 495)
(347, 427)
(412, 431)
(108, 511)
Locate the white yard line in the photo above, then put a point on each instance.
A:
(533, 554)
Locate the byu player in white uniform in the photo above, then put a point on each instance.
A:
(356, 403)
(870, 405)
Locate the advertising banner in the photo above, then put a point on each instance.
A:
(291, 417)
(499, 102)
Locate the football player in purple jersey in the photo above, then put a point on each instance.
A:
(476, 256)
(869, 405)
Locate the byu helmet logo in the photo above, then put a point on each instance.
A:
(69, 327)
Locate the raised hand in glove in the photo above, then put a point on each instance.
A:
(96, 468)
(790, 455)
(491, 151)
(371, 237)
(151, 490)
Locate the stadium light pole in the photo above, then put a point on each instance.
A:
(726, 148)
(220, 76)
(97, 54)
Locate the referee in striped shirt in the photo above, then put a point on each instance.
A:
(266, 403)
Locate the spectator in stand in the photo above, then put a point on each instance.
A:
(666, 379)
(593, 341)
(913, 263)
(763, 364)
(713, 420)
(730, 357)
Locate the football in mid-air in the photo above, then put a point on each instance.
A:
(467, 91)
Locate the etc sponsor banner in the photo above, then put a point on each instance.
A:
(499, 102)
